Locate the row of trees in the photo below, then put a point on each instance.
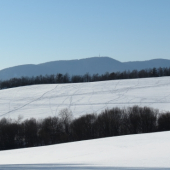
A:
(60, 78)
(54, 130)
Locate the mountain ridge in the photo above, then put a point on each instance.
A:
(93, 65)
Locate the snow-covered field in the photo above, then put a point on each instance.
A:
(40, 101)
(144, 151)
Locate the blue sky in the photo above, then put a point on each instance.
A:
(37, 31)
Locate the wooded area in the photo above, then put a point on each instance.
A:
(54, 130)
(60, 78)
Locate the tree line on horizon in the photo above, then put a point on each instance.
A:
(65, 78)
(64, 128)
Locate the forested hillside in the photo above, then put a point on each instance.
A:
(66, 78)
(94, 65)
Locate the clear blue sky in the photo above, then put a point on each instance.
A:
(37, 31)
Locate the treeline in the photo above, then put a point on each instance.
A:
(60, 78)
(54, 130)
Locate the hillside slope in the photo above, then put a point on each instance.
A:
(145, 151)
(41, 101)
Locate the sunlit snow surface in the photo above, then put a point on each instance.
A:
(40, 101)
(132, 152)
(144, 151)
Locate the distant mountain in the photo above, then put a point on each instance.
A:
(92, 65)
(139, 65)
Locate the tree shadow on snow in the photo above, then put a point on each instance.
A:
(70, 167)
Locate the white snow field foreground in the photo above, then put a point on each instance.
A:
(41, 101)
(143, 151)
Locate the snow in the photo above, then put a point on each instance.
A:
(142, 151)
(41, 101)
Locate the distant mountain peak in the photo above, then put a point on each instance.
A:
(91, 65)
